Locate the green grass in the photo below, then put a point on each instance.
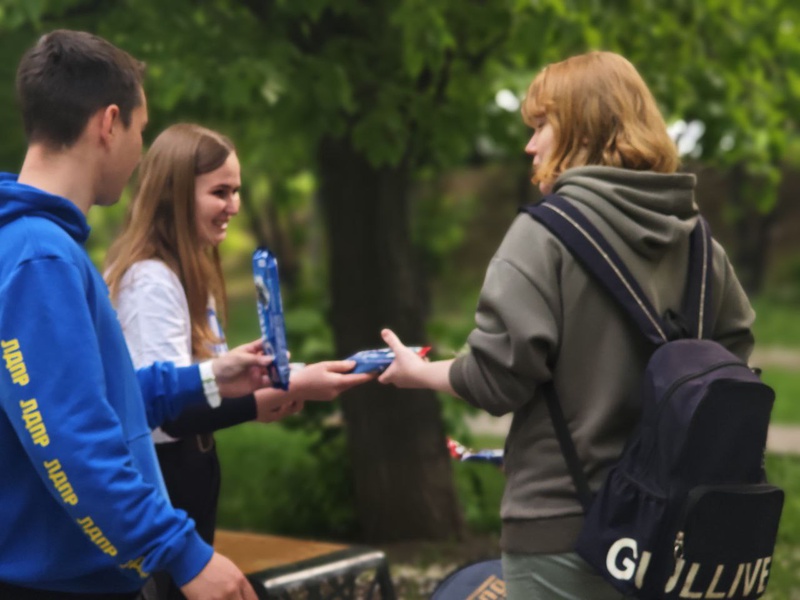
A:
(786, 383)
(784, 584)
(777, 323)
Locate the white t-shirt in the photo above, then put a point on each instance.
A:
(154, 315)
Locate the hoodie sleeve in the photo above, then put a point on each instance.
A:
(516, 321)
(72, 435)
(168, 390)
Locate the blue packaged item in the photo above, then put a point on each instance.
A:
(377, 361)
(491, 455)
(270, 316)
(460, 452)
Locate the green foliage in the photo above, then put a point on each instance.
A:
(480, 489)
(410, 80)
(285, 481)
(784, 581)
(293, 482)
(414, 79)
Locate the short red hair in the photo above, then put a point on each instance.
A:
(602, 113)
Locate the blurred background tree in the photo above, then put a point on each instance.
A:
(382, 153)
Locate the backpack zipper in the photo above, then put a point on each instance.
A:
(676, 384)
(677, 546)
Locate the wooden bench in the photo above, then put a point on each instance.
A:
(280, 566)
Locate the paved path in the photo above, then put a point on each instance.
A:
(776, 356)
(782, 439)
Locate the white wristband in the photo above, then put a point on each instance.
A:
(210, 387)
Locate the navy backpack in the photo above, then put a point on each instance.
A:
(686, 512)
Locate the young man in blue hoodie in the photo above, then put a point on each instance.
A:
(84, 514)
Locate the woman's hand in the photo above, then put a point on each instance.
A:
(325, 380)
(319, 381)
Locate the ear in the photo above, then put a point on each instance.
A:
(109, 119)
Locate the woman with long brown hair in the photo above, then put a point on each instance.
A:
(165, 279)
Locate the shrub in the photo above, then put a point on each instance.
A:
(282, 481)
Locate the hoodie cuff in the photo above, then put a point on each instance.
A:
(188, 564)
(210, 387)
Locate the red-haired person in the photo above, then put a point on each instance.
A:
(600, 142)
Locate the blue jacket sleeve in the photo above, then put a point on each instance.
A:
(80, 416)
(167, 390)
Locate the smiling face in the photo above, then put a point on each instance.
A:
(217, 201)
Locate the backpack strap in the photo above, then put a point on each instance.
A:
(696, 308)
(596, 255)
(567, 446)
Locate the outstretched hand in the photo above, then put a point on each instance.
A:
(242, 370)
(325, 380)
(319, 381)
(409, 370)
(406, 366)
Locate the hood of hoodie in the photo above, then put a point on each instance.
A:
(18, 200)
(648, 211)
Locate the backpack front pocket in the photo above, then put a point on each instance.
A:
(725, 540)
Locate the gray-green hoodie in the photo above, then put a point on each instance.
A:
(540, 318)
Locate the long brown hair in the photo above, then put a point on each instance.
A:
(602, 113)
(160, 223)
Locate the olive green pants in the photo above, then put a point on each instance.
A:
(553, 577)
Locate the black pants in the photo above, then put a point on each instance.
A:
(12, 592)
(191, 471)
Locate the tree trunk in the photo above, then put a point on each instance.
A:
(403, 476)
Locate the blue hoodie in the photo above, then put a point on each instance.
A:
(83, 504)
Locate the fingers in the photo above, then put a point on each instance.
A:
(339, 366)
(270, 414)
(348, 381)
(392, 340)
(254, 347)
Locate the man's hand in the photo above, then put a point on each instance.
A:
(219, 580)
(325, 380)
(242, 370)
